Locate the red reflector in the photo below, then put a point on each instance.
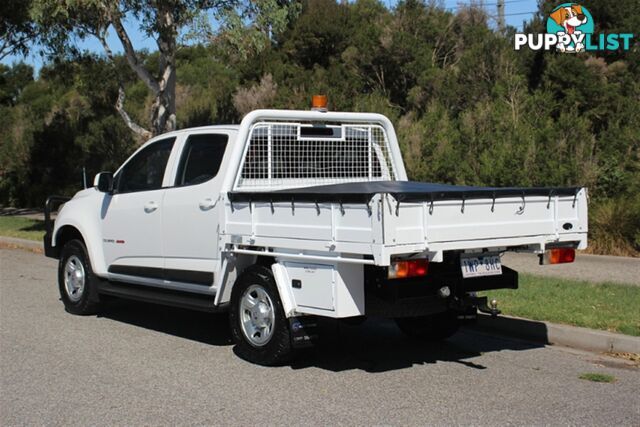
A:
(561, 255)
(405, 269)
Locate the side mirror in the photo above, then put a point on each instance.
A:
(104, 182)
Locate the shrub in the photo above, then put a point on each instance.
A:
(614, 226)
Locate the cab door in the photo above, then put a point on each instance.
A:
(131, 217)
(191, 211)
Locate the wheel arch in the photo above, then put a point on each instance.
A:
(68, 232)
(238, 264)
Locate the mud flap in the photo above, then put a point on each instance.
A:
(94, 291)
(304, 331)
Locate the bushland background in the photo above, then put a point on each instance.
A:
(468, 108)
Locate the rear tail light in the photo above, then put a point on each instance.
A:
(406, 269)
(558, 256)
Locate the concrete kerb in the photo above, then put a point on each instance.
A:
(556, 334)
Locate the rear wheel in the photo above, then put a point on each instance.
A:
(259, 327)
(76, 281)
(434, 327)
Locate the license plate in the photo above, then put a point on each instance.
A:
(484, 265)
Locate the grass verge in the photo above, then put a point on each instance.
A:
(605, 306)
(597, 378)
(24, 228)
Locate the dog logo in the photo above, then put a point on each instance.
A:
(571, 22)
(570, 28)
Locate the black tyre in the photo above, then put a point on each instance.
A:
(76, 281)
(259, 327)
(435, 327)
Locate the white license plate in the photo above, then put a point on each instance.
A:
(484, 265)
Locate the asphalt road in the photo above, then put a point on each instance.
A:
(143, 364)
(590, 268)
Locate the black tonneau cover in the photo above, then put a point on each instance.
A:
(402, 191)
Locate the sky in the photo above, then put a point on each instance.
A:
(516, 11)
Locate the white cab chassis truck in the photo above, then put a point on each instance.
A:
(297, 214)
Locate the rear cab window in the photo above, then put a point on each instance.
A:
(201, 158)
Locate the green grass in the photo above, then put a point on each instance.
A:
(597, 378)
(605, 306)
(24, 228)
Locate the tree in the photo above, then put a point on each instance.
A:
(12, 81)
(16, 27)
(164, 20)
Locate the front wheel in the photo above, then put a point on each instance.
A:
(259, 327)
(435, 327)
(76, 280)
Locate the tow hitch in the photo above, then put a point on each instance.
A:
(469, 305)
(491, 308)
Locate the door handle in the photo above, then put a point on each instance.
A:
(207, 204)
(150, 207)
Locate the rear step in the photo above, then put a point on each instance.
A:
(188, 300)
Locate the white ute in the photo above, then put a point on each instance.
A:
(297, 214)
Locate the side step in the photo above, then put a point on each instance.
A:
(188, 300)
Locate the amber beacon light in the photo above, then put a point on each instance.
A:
(319, 103)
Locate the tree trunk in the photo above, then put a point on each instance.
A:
(163, 112)
(163, 115)
(163, 109)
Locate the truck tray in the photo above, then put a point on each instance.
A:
(383, 218)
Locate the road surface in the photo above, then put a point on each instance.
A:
(142, 364)
(590, 268)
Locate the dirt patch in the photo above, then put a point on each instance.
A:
(4, 245)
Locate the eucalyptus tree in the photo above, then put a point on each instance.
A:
(16, 27)
(244, 25)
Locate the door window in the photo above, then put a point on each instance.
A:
(145, 171)
(201, 158)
